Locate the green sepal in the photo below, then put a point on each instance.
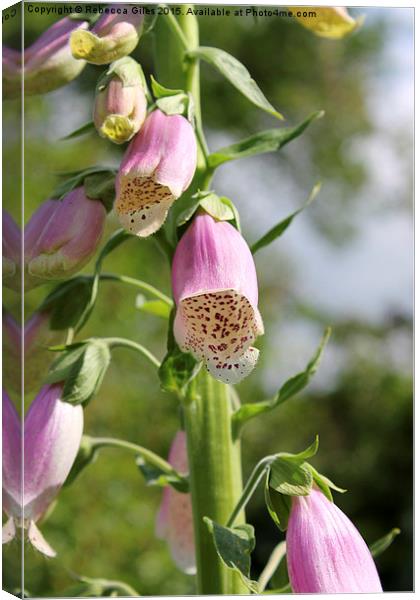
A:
(173, 102)
(158, 308)
(157, 477)
(289, 389)
(278, 230)
(67, 302)
(237, 74)
(178, 368)
(325, 485)
(378, 547)
(101, 186)
(127, 69)
(86, 455)
(277, 504)
(269, 140)
(234, 546)
(82, 367)
(290, 474)
(97, 180)
(177, 371)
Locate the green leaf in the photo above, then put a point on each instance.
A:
(281, 227)
(177, 370)
(155, 476)
(67, 301)
(153, 307)
(378, 547)
(234, 546)
(86, 128)
(289, 389)
(269, 140)
(173, 105)
(82, 367)
(237, 74)
(277, 504)
(127, 69)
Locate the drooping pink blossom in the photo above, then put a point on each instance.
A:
(158, 166)
(62, 236)
(325, 552)
(174, 522)
(120, 107)
(114, 35)
(52, 435)
(215, 288)
(12, 64)
(48, 62)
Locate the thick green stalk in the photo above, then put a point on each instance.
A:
(215, 477)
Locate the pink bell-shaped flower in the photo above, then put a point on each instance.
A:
(52, 434)
(174, 522)
(48, 62)
(215, 288)
(113, 36)
(158, 166)
(62, 236)
(325, 552)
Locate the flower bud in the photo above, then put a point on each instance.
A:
(11, 252)
(175, 519)
(52, 434)
(215, 288)
(113, 36)
(325, 552)
(38, 336)
(120, 106)
(48, 62)
(157, 168)
(62, 236)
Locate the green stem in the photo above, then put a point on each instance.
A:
(250, 487)
(215, 477)
(150, 457)
(115, 342)
(189, 26)
(138, 283)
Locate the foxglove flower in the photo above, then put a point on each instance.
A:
(11, 252)
(325, 552)
(215, 288)
(52, 435)
(48, 62)
(113, 36)
(38, 336)
(175, 519)
(62, 236)
(120, 106)
(158, 166)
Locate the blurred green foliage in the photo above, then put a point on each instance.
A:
(103, 524)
